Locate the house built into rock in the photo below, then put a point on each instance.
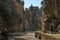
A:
(50, 20)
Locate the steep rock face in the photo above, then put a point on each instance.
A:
(51, 15)
(11, 15)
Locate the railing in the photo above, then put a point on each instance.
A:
(47, 37)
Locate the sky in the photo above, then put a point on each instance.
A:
(33, 2)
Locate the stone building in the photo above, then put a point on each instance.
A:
(11, 13)
(33, 15)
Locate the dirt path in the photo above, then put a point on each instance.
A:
(27, 36)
